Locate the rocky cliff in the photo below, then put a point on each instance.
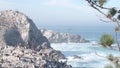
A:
(22, 45)
(58, 37)
(16, 28)
(20, 57)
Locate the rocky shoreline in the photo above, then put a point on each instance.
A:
(22, 45)
(20, 57)
(59, 37)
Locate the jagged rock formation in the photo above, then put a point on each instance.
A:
(23, 45)
(16, 28)
(19, 57)
(57, 37)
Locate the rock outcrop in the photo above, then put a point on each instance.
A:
(16, 28)
(22, 45)
(58, 37)
(19, 57)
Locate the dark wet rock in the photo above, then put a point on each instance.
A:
(77, 57)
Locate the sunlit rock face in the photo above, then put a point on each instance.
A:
(59, 37)
(17, 29)
(20, 57)
(22, 45)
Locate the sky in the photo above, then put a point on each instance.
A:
(57, 12)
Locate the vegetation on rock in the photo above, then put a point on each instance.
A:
(112, 15)
(106, 40)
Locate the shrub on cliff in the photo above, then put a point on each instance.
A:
(106, 40)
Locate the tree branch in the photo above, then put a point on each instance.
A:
(91, 2)
(97, 7)
(100, 55)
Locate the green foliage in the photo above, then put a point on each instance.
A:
(117, 65)
(116, 29)
(108, 66)
(99, 2)
(110, 57)
(95, 1)
(112, 12)
(106, 40)
(114, 60)
(114, 66)
(118, 17)
(102, 2)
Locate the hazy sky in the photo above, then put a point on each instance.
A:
(56, 12)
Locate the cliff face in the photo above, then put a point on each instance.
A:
(16, 28)
(57, 37)
(23, 45)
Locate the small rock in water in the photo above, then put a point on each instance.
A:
(77, 57)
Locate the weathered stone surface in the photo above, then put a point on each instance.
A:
(28, 58)
(17, 29)
(53, 54)
(22, 45)
(57, 37)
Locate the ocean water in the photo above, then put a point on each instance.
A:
(92, 33)
(86, 50)
(88, 53)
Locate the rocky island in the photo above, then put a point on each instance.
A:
(22, 45)
(59, 37)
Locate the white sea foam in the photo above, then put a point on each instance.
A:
(88, 53)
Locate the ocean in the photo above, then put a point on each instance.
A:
(88, 32)
(86, 50)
